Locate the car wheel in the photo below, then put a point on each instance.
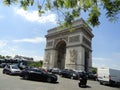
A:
(101, 83)
(26, 77)
(49, 80)
(4, 72)
(79, 84)
(9, 73)
(71, 77)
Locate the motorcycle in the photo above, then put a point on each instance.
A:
(83, 81)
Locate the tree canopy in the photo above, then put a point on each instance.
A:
(69, 10)
(36, 64)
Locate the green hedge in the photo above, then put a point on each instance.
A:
(36, 64)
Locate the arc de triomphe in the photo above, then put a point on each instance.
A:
(69, 50)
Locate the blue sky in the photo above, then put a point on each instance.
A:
(23, 33)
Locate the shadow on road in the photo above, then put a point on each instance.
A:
(113, 86)
(86, 86)
(40, 81)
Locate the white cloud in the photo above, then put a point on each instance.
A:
(111, 62)
(15, 50)
(101, 62)
(113, 66)
(31, 40)
(38, 58)
(101, 59)
(9, 50)
(98, 65)
(2, 44)
(34, 17)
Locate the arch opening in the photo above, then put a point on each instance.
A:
(86, 61)
(61, 54)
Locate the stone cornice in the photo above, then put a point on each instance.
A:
(77, 28)
(78, 24)
(69, 46)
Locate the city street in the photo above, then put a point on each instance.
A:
(17, 83)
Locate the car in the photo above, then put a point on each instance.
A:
(55, 71)
(11, 69)
(91, 76)
(68, 73)
(49, 70)
(2, 65)
(38, 74)
(77, 74)
(72, 74)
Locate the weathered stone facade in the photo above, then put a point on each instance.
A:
(71, 50)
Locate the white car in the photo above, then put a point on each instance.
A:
(12, 70)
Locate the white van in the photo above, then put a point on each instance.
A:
(108, 76)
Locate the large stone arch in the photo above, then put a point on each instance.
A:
(71, 50)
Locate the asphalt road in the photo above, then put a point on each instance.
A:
(16, 83)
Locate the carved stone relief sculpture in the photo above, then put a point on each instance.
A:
(73, 55)
(47, 60)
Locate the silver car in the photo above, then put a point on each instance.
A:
(12, 70)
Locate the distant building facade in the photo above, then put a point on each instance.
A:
(69, 50)
(17, 57)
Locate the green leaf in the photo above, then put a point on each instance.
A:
(31, 2)
(60, 3)
(55, 3)
(88, 4)
(48, 5)
(67, 3)
(75, 13)
(94, 16)
(7, 2)
(73, 3)
(39, 7)
(23, 5)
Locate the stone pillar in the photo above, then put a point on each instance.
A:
(75, 58)
(90, 61)
(71, 58)
(46, 60)
(55, 58)
(81, 57)
(67, 59)
(50, 58)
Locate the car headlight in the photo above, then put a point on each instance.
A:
(74, 74)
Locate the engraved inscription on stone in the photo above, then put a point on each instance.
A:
(87, 42)
(73, 55)
(74, 39)
(49, 43)
(47, 57)
(63, 38)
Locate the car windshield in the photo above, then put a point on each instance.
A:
(14, 67)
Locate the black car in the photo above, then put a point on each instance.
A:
(72, 74)
(2, 65)
(38, 74)
(56, 71)
(91, 76)
(77, 74)
(67, 73)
